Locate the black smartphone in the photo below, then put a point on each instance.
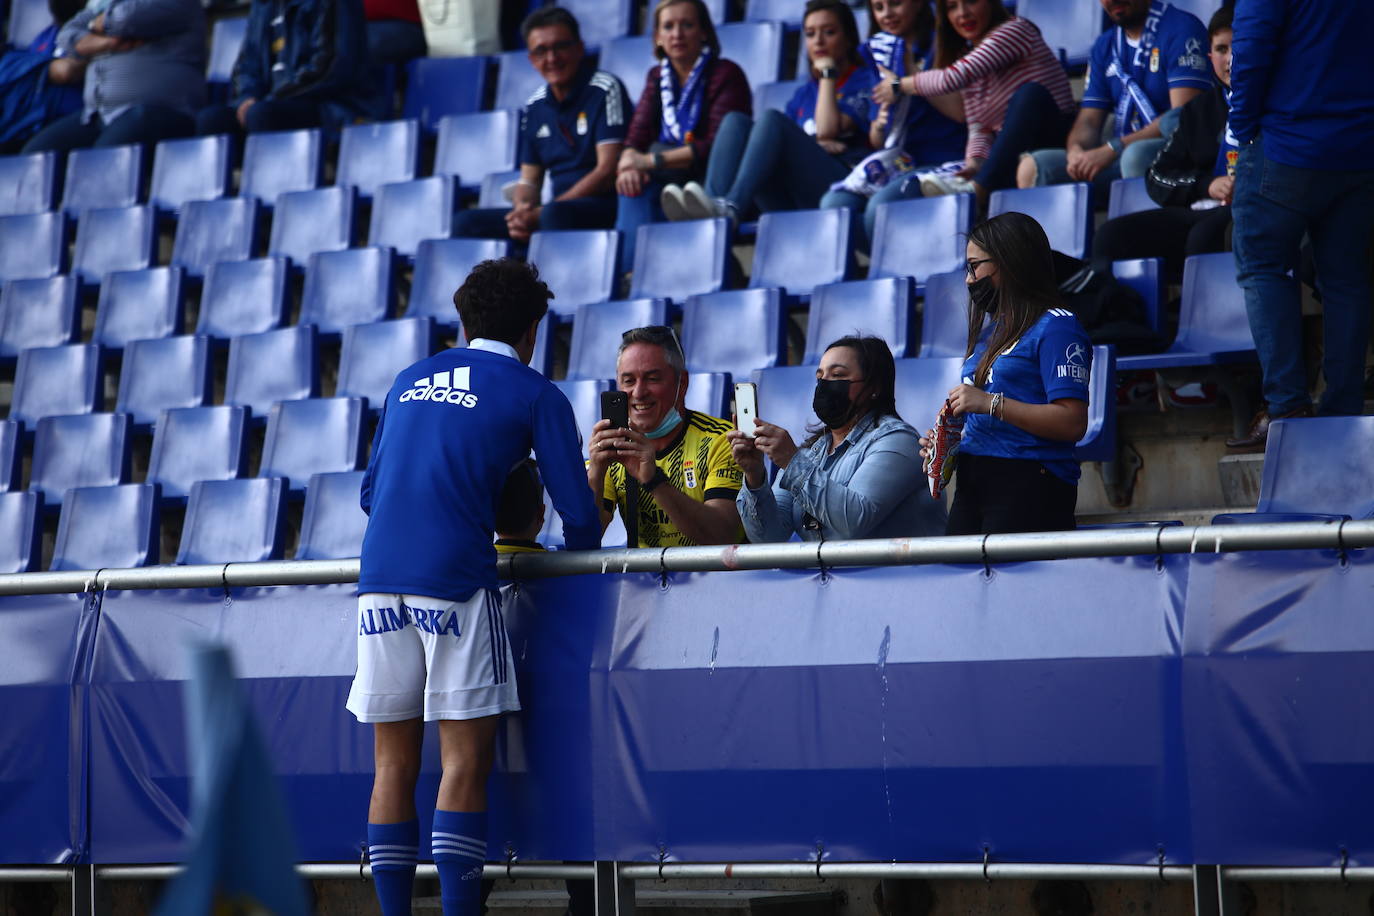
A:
(615, 406)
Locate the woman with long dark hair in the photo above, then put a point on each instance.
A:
(1024, 396)
(858, 475)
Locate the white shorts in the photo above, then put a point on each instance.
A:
(430, 657)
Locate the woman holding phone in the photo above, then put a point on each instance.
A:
(858, 475)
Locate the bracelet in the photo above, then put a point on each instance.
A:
(653, 482)
(1117, 145)
(995, 408)
(658, 162)
(829, 73)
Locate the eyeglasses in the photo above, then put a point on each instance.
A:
(558, 47)
(972, 264)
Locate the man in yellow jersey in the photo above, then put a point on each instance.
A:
(680, 459)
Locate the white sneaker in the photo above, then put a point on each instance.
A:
(936, 185)
(699, 204)
(673, 204)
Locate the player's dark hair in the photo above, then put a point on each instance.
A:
(520, 501)
(1017, 246)
(500, 299)
(845, 15)
(547, 16)
(1221, 20)
(879, 373)
(949, 44)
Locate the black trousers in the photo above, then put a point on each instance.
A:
(1006, 495)
(1171, 233)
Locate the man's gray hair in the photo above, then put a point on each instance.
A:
(659, 336)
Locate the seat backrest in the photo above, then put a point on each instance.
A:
(944, 315)
(120, 238)
(210, 231)
(38, 313)
(1212, 318)
(1068, 27)
(243, 297)
(27, 183)
(138, 305)
(115, 527)
(164, 373)
(186, 170)
(234, 521)
(585, 397)
(373, 354)
(309, 221)
(541, 360)
(799, 250)
(226, 38)
(1128, 195)
(516, 80)
(492, 195)
(734, 331)
(102, 177)
(578, 265)
(52, 381)
(782, 10)
(1063, 210)
(371, 155)
(602, 20)
(407, 212)
(1099, 441)
(919, 237)
(32, 245)
(1319, 464)
(21, 532)
(440, 86)
(312, 436)
(710, 393)
(474, 145)
(1145, 276)
(923, 385)
(441, 266)
(775, 95)
(11, 454)
(755, 46)
(784, 397)
(27, 19)
(677, 260)
(85, 450)
(281, 161)
(880, 307)
(279, 365)
(629, 58)
(343, 288)
(597, 330)
(333, 525)
(197, 443)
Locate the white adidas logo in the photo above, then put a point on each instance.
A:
(444, 388)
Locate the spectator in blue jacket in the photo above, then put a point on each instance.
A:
(1302, 111)
(39, 84)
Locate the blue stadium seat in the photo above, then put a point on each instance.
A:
(541, 360)
(27, 18)
(37, 313)
(312, 436)
(785, 11)
(280, 365)
(1212, 325)
(210, 231)
(309, 221)
(27, 183)
(492, 195)
(52, 381)
(755, 46)
(774, 95)
(882, 307)
(343, 288)
(21, 532)
(1128, 195)
(226, 38)
(234, 521)
(922, 386)
(785, 398)
(243, 297)
(597, 329)
(104, 177)
(735, 331)
(472, 146)
(186, 170)
(162, 374)
(578, 265)
(197, 443)
(1064, 210)
(281, 161)
(32, 245)
(121, 238)
(944, 316)
(710, 393)
(84, 450)
(441, 86)
(920, 237)
(585, 397)
(1145, 276)
(516, 80)
(1202, 9)
(115, 527)
(602, 20)
(11, 454)
(441, 266)
(798, 250)
(1068, 27)
(406, 213)
(1315, 468)
(333, 525)
(372, 355)
(371, 155)
(629, 58)
(1099, 442)
(677, 260)
(138, 305)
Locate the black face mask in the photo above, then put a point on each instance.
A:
(831, 402)
(983, 294)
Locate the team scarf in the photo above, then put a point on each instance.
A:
(1133, 99)
(1228, 149)
(887, 50)
(681, 109)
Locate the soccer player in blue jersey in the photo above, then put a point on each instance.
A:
(431, 640)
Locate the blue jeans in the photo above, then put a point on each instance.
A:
(263, 115)
(1274, 205)
(770, 162)
(633, 212)
(140, 124)
(579, 213)
(1051, 165)
(1032, 121)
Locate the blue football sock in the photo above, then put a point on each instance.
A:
(392, 850)
(460, 850)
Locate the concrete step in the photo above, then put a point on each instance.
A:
(1240, 480)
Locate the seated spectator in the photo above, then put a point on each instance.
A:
(1191, 180)
(394, 33)
(303, 64)
(145, 74)
(686, 97)
(858, 475)
(38, 84)
(1150, 65)
(676, 461)
(1024, 399)
(573, 128)
(520, 510)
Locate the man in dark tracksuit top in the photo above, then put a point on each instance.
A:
(431, 641)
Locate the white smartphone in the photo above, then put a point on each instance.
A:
(746, 407)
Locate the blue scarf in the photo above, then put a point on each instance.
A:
(1228, 148)
(887, 50)
(681, 109)
(1133, 99)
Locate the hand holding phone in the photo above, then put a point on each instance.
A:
(746, 407)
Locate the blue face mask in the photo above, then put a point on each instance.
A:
(671, 421)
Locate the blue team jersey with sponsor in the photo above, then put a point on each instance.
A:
(1050, 361)
(453, 427)
(854, 93)
(1171, 54)
(562, 137)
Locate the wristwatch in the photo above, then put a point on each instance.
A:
(658, 162)
(896, 85)
(1116, 144)
(829, 73)
(658, 478)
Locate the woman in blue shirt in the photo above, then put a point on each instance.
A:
(857, 476)
(1025, 391)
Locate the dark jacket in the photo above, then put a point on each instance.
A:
(1184, 169)
(726, 90)
(323, 56)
